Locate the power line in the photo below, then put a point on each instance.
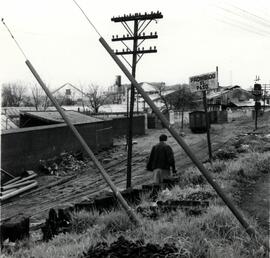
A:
(249, 27)
(16, 42)
(243, 17)
(241, 27)
(87, 18)
(266, 22)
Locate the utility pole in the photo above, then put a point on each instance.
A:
(137, 36)
(265, 91)
(207, 125)
(257, 92)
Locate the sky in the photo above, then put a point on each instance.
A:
(194, 37)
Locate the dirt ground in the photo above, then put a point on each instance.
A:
(65, 190)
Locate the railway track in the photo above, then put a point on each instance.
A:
(85, 185)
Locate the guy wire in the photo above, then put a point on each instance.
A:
(14, 38)
(87, 18)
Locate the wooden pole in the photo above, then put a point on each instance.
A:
(16, 192)
(7, 187)
(118, 195)
(180, 141)
(7, 173)
(207, 125)
(132, 98)
(256, 115)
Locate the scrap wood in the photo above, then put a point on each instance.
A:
(12, 180)
(16, 192)
(58, 182)
(7, 173)
(6, 192)
(17, 185)
(33, 175)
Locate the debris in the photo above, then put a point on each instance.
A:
(20, 185)
(18, 191)
(62, 164)
(125, 248)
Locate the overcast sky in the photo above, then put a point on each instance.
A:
(194, 38)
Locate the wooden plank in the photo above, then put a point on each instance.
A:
(6, 192)
(12, 180)
(7, 173)
(16, 192)
(18, 185)
(24, 179)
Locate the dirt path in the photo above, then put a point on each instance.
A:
(85, 184)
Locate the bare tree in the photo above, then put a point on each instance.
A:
(13, 94)
(164, 99)
(36, 96)
(39, 98)
(182, 99)
(96, 97)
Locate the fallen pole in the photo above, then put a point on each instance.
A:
(5, 172)
(23, 179)
(12, 180)
(118, 195)
(16, 192)
(11, 186)
(181, 142)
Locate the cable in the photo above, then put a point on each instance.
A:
(87, 18)
(241, 16)
(267, 22)
(241, 27)
(14, 39)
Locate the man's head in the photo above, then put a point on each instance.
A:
(163, 138)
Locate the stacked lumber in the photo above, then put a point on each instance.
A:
(18, 185)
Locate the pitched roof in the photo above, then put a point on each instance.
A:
(6, 123)
(55, 116)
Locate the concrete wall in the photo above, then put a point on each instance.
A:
(23, 148)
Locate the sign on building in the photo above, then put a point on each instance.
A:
(207, 81)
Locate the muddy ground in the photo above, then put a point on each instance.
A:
(74, 186)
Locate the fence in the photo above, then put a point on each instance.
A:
(23, 148)
(239, 114)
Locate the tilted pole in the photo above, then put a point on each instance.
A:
(118, 195)
(181, 142)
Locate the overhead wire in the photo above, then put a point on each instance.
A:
(16, 42)
(264, 21)
(93, 26)
(243, 25)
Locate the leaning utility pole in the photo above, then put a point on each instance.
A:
(137, 36)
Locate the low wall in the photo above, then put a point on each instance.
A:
(120, 125)
(239, 114)
(218, 117)
(120, 122)
(23, 148)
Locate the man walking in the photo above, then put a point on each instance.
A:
(161, 160)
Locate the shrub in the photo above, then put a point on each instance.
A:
(116, 221)
(225, 154)
(83, 220)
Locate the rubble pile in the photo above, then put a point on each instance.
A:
(125, 248)
(63, 164)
